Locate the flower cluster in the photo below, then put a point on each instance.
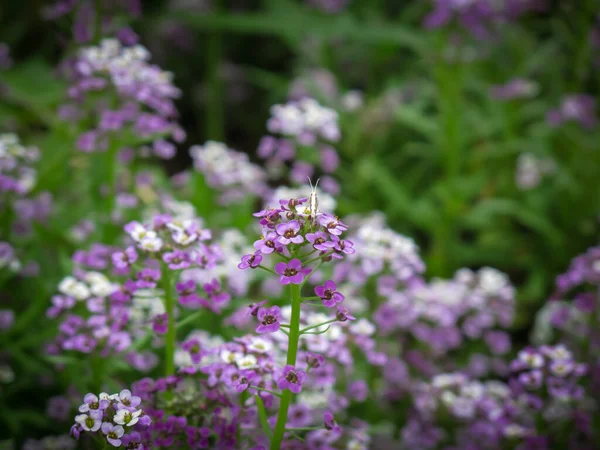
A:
(478, 15)
(306, 124)
(382, 251)
(578, 108)
(531, 169)
(114, 293)
(145, 96)
(228, 171)
(17, 174)
(517, 88)
(115, 418)
(584, 269)
(86, 18)
(545, 386)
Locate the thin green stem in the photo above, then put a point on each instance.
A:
(304, 330)
(317, 258)
(267, 269)
(314, 297)
(310, 274)
(167, 285)
(276, 394)
(292, 351)
(286, 258)
(304, 429)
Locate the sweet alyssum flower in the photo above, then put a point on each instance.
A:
(268, 319)
(291, 379)
(291, 272)
(329, 294)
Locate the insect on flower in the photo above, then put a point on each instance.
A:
(313, 201)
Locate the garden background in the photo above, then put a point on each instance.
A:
(469, 126)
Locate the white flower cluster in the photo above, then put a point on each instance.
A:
(531, 169)
(16, 173)
(128, 69)
(182, 233)
(462, 397)
(306, 120)
(377, 246)
(92, 284)
(228, 170)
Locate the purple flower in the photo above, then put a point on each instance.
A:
(113, 433)
(314, 360)
(291, 272)
(192, 346)
(343, 314)
(291, 379)
(177, 260)
(160, 323)
(133, 441)
(254, 307)
(123, 260)
(91, 403)
(320, 241)
(343, 246)
(288, 233)
(332, 224)
(268, 244)
(531, 380)
(244, 380)
(127, 401)
(330, 423)
(328, 293)
(147, 278)
(250, 261)
(268, 318)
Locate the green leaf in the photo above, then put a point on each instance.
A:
(33, 85)
(487, 211)
(262, 415)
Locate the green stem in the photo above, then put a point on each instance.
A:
(292, 351)
(268, 270)
(276, 394)
(304, 330)
(167, 284)
(316, 258)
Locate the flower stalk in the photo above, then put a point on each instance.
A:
(286, 396)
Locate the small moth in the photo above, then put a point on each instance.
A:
(313, 200)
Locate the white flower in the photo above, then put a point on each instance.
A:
(491, 280)
(247, 362)
(230, 357)
(100, 284)
(151, 243)
(127, 418)
(137, 231)
(259, 345)
(74, 288)
(362, 327)
(558, 352)
(446, 380)
(88, 423)
(352, 100)
(514, 430)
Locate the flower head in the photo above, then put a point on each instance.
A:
(113, 433)
(268, 319)
(291, 379)
(291, 272)
(250, 261)
(329, 294)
